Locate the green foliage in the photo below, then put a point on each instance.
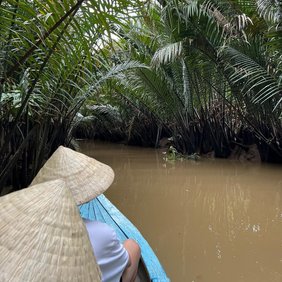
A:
(207, 73)
(211, 73)
(50, 63)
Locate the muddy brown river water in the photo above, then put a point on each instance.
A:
(207, 220)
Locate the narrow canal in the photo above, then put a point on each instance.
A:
(210, 220)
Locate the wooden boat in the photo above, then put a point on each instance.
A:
(103, 210)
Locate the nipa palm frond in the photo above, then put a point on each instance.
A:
(167, 54)
(256, 80)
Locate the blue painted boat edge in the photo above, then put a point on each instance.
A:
(151, 261)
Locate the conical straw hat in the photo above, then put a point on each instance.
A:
(86, 177)
(43, 238)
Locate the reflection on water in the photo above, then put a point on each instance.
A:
(211, 220)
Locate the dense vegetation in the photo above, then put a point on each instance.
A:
(207, 74)
(48, 67)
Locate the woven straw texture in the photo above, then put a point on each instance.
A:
(43, 238)
(86, 177)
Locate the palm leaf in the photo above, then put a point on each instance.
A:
(168, 54)
(257, 81)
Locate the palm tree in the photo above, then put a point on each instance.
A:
(48, 67)
(212, 73)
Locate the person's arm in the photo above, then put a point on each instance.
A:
(134, 253)
(111, 255)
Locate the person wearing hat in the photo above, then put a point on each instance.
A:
(43, 238)
(87, 178)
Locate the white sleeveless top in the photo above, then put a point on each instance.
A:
(110, 254)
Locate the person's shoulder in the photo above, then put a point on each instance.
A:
(100, 229)
(96, 224)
